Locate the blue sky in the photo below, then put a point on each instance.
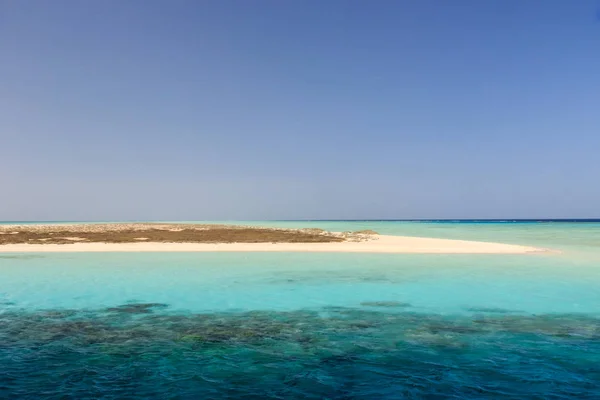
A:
(194, 110)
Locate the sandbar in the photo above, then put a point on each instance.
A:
(183, 238)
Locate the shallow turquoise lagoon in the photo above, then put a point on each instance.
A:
(292, 325)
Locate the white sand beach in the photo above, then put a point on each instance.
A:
(376, 244)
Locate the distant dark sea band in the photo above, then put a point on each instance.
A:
(460, 221)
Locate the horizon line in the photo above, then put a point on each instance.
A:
(332, 220)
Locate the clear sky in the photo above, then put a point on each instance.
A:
(272, 109)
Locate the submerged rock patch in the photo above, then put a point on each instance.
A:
(384, 304)
(137, 308)
(491, 310)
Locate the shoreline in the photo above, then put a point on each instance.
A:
(375, 244)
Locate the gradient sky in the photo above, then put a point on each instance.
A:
(197, 110)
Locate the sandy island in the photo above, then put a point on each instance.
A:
(148, 237)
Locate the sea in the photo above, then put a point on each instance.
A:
(310, 325)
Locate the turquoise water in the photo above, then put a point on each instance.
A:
(300, 325)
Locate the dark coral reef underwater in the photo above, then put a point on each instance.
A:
(378, 350)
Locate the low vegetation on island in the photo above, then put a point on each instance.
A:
(167, 233)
